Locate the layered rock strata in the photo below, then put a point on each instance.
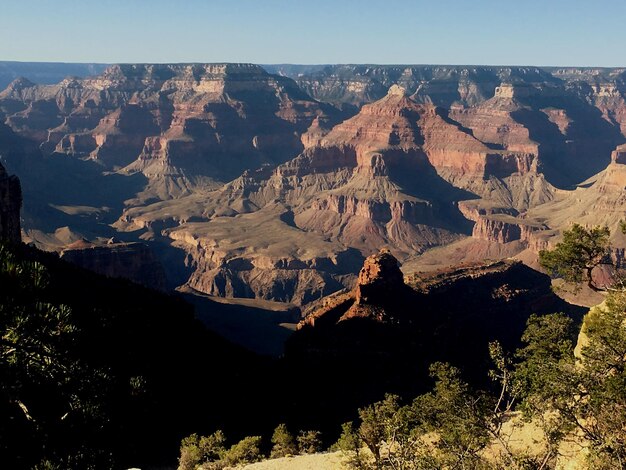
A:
(177, 124)
(201, 155)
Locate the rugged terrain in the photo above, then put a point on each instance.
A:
(252, 184)
(382, 335)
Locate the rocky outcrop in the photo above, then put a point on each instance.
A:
(209, 156)
(380, 273)
(133, 261)
(619, 155)
(605, 88)
(530, 113)
(440, 85)
(261, 255)
(188, 123)
(389, 176)
(500, 225)
(450, 316)
(10, 205)
(601, 201)
(380, 282)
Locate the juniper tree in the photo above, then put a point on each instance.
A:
(578, 254)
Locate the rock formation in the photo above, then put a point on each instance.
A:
(440, 85)
(10, 205)
(399, 173)
(381, 272)
(133, 261)
(199, 156)
(179, 125)
(385, 343)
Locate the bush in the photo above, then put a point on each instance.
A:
(244, 452)
(284, 443)
(195, 451)
(309, 442)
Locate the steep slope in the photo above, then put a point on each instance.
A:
(127, 371)
(382, 336)
(177, 124)
(604, 88)
(197, 156)
(140, 133)
(441, 85)
(367, 183)
(134, 261)
(401, 174)
(599, 201)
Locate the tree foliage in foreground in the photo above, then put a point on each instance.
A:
(102, 373)
(585, 395)
(449, 427)
(44, 384)
(283, 442)
(575, 257)
(567, 396)
(211, 453)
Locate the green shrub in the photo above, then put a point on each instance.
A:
(201, 450)
(283, 442)
(309, 442)
(244, 452)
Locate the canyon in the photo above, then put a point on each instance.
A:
(356, 223)
(276, 182)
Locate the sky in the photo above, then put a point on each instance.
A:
(480, 32)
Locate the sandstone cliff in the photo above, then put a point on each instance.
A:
(401, 174)
(437, 84)
(200, 155)
(179, 125)
(599, 201)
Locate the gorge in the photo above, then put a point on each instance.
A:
(276, 185)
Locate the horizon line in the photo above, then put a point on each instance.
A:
(320, 64)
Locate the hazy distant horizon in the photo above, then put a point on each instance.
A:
(558, 33)
(300, 64)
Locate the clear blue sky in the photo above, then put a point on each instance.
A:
(537, 32)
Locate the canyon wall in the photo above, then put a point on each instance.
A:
(277, 187)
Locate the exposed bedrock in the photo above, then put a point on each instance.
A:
(187, 120)
(133, 261)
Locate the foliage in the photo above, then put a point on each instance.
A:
(587, 395)
(351, 445)
(196, 450)
(244, 452)
(37, 357)
(565, 394)
(450, 427)
(102, 373)
(283, 442)
(441, 429)
(457, 416)
(575, 257)
(210, 453)
(309, 442)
